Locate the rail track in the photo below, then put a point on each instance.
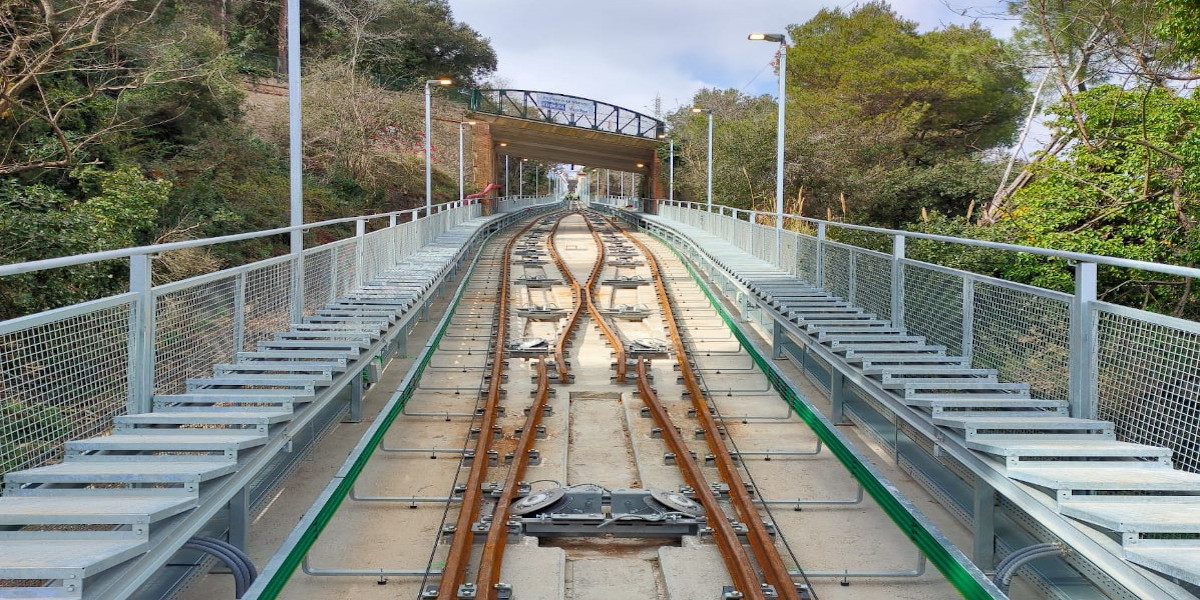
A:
(498, 512)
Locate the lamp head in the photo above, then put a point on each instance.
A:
(767, 37)
(445, 81)
(641, 165)
(698, 110)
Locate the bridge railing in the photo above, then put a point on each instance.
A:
(511, 203)
(628, 202)
(566, 110)
(66, 373)
(1134, 367)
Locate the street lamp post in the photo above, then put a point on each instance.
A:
(710, 156)
(428, 145)
(521, 177)
(461, 197)
(782, 41)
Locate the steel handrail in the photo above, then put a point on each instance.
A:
(1112, 261)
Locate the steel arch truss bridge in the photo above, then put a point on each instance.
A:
(566, 110)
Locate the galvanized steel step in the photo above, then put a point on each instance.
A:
(1137, 514)
(1014, 450)
(1146, 477)
(68, 560)
(86, 510)
(230, 416)
(1177, 558)
(122, 472)
(174, 440)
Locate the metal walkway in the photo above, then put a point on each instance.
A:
(120, 505)
(1074, 465)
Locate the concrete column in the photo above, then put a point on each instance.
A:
(656, 187)
(483, 161)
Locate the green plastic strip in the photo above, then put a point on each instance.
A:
(888, 498)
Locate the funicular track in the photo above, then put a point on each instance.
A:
(474, 574)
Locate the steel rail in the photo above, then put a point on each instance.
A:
(774, 570)
(601, 322)
(454, 571)
(737, 562)
(492, 558)
(560, 349)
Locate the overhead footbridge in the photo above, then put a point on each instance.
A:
(564, 129)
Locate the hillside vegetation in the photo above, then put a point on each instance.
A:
(122, 122)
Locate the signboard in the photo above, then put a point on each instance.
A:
(573, 107)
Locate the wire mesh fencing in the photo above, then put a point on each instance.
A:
(66, 373)
(1130, 366)
(63, 375)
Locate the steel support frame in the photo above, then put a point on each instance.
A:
(224, 495)
(283, 558)
(1104, 554)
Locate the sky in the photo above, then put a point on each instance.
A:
(627, 52)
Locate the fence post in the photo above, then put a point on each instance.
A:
(239, 313)
(898, 280)
(1082, 381)
(141, 335)
(750, 232)
(360, 230)
(820, 255)
(968, 319)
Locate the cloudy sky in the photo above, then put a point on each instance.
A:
(625, 52)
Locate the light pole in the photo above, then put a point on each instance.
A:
(428, 149)
(782, 41)
(708, 111)
(521, 177)
(461, 197)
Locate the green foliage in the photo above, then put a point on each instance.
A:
(882, 122)
(1131, 193)
(1182, 24)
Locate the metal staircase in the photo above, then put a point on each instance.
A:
(120, 505)
(1117, 488)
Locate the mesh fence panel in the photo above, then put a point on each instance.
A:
(806, 258)
(268, 291)
(318, 279)
(193, 330)
(59, 380)
(1024, 336)
(347, 268)
(933, 306)
(376, 253)
(873, 283)
(1148, 384)
(837, 270)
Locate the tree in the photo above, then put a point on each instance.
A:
(743, 134)
(1132, 193)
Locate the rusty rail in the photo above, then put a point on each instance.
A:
(460, 546)
(745, 578)
(774, 570)
(613, 338)
(497, 538)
